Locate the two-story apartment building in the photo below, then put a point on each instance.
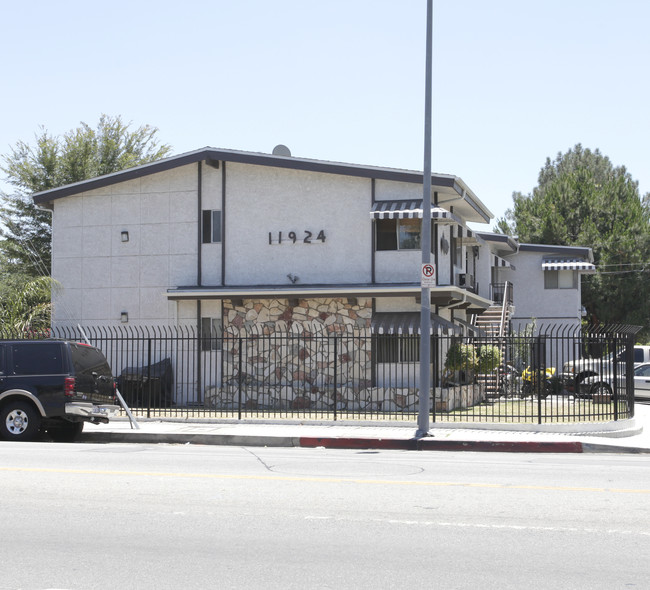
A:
(234, 242)
(192, 235)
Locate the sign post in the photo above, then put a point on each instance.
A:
(428, 277)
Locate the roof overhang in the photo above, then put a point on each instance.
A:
(445, 296)
(502, 243)
(451, 189)
(552, 251)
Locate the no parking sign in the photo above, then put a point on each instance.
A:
(428, 275)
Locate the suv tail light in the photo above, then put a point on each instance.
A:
(68, 386)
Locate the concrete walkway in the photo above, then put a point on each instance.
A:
(625, 436)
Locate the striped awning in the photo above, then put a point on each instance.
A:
(410, 210)
(409, 323)
(568, 264)
(500, 262)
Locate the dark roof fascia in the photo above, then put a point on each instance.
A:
(510, 242)
(254, 158)
(583, 251)
(121, 176)
(469, 199)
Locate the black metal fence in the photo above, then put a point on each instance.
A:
(541, 375)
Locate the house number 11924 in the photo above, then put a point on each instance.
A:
(292, 237)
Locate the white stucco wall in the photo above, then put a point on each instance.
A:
(211, 198)
(532, 300)
(262, 200)
(102, 276)
(483, 271)
(398, 266)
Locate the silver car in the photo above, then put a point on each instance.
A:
(642, 381)
(603, 384)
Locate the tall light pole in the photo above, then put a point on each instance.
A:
(425, 307)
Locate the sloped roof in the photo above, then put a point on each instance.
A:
(456, 193)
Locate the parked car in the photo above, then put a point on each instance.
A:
(579, 369)
(53, 385)
(604, 384)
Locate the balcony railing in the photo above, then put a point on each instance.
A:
(498, 292)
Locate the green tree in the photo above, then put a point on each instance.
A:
(25, 307)
(582, 199)
(82, 153)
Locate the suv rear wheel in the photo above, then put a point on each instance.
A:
(18, 421)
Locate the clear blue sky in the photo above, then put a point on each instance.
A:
(514, 82)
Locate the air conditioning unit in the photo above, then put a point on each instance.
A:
(465, 279)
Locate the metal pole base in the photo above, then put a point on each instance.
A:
(422, 434)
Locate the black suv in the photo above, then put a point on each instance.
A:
(53, 385)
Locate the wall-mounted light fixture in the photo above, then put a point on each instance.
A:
(124, 317)
(125, 236)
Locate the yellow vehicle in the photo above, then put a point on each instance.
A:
(534, 381)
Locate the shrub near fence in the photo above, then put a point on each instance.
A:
(179, 372)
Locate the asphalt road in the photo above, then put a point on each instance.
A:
(165, 516)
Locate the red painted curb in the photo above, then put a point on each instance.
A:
(431, 444)
(426, 444)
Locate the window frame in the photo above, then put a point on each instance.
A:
(397, 348)
(388, 237)
(552, 279)
(211, 225)
(211, 334)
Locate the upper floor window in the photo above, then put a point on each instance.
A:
(398, 234)
(560, 279)
(211, 227)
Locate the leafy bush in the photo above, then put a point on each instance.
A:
(489, 358)
(461, 357)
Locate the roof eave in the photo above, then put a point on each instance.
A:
(208, 154)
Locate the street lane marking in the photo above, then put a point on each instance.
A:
(323, 480)
(478, 525)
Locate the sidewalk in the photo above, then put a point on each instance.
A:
(625, 436)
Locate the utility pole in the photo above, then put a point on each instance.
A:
(425, 308)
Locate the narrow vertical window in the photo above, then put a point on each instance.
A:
(211, 334)
(211, 229)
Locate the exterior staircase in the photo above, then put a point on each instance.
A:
(494, 326)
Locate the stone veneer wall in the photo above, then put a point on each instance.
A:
(288, 353)
(289, 360)
(309, 317)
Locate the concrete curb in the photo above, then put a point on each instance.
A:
(410, 444)
(431, 444)
(191, 438)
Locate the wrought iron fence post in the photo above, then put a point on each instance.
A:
(336, 356)
(148, 377)
(239, 380)
(538, 374)
(615, 374)
(629, 375)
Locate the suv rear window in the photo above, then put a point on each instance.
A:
(43, 359)
(88, 360)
